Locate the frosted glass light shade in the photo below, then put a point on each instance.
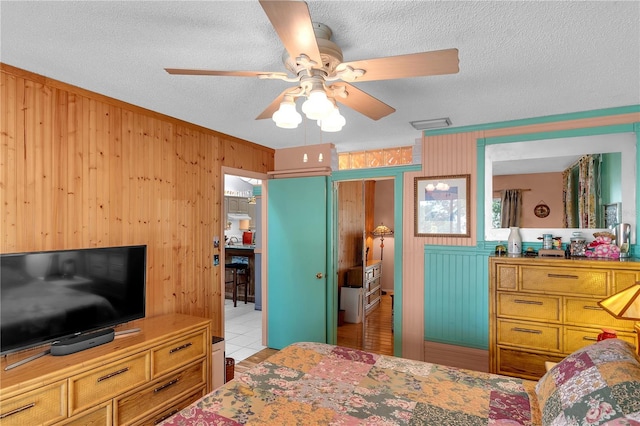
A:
(334, 122)
(286, 116)
(317, 106)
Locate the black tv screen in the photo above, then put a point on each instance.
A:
(52, 295)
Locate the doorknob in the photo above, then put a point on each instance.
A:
(319, 275)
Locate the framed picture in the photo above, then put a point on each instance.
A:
(441, 206)
(612, 214)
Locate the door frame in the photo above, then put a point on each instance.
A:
(225, 170)
(396, 173)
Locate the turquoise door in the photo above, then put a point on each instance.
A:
(296, 260)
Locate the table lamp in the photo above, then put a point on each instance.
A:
(380, 231)
(622, 305)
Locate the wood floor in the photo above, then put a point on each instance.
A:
(379, 330)
(378, 339)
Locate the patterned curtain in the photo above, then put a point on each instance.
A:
(511, 208)
(587, 191)
(581, 197)
(568, 200)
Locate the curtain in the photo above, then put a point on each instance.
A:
(511, 208)
(580, 193)
(568, 200)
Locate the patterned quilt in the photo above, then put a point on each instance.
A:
(319, 384)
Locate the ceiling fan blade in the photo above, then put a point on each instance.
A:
(273, 106)
(181, 71)
(292, 22)
(363, 102)
(413, 65)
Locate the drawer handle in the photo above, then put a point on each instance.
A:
(115, 373)
(179, 348)
(526, 330)
(573, 277)
(166, 385)
(17, 410)
(591, 339)
(528, 302)
(161, 419)
(593, 308)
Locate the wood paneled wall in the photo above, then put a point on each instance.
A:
(78, 169)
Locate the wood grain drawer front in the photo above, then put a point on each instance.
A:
(103, 383)
(43, 406)
(179, 352)
(526, 306)
(576, 338)
(591, 282)
(589, 313)
(623, 279)
(372, 272)
(171, 409)
(506, 277)
(141, 403)
(98, 416)
(529, 335)
(528, 365)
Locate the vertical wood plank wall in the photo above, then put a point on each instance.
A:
(428, 274)
(78, 169)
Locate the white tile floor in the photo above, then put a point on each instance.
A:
(243, 330)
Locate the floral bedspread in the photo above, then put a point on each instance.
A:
(319, 384)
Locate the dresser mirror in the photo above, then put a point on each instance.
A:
(553, 155)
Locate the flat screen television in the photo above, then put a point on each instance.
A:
(52, 295)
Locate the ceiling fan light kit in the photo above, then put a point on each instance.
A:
(435, 123)
(315, 60)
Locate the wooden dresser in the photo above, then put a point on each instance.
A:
(372, 283)
(136, 379)
(544, 309)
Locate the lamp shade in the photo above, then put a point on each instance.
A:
(382, 230)
(624, 304)
(243, 224)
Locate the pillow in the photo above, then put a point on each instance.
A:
(598, 384)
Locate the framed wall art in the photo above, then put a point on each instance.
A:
(441, 205)
(612, 214)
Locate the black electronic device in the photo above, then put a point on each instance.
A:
(56, 295)
(81, 342)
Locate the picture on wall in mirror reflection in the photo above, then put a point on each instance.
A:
(612, 214)
(441, 206)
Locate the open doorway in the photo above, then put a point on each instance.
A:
(365, 264)
(241, 261)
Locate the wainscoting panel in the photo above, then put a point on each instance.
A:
(456, 296)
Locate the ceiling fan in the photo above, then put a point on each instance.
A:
(316, 66)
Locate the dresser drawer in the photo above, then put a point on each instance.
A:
(108, 381)
(529, 335)
(45, 405)
(576, 338)
(372, 272)
(179, 352)
(99, 416)
(528, 365)
(171, 409)
(528, 306)
(588, 313)
(506, 277)
(591, 282)
(142, 402)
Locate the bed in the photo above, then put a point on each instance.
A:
(320, 384)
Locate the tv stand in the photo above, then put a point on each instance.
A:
(140, 379)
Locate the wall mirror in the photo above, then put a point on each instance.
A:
(553, 155)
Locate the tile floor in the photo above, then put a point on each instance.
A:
(243, 330)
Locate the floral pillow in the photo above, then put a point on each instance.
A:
(596, 385)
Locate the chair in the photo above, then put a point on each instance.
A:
(238, 269)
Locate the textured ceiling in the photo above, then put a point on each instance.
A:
(517, 59)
